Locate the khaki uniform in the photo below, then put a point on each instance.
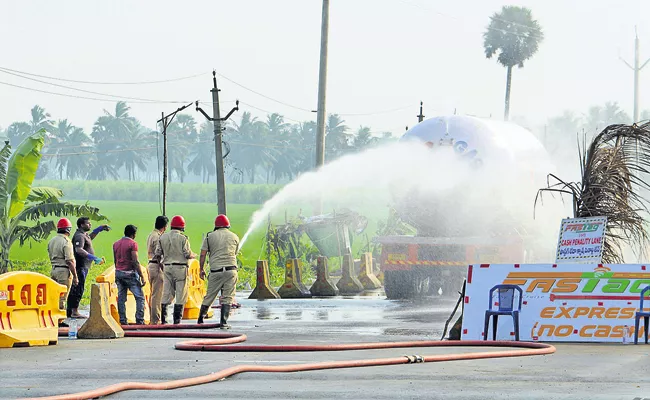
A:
(174, 249)
(222, 246)
(60, 250)
(155, 279)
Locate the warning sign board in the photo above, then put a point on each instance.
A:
(581, 240)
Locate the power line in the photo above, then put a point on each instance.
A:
(107, 83)
(73, 96)
(88, 91)
(263, 95)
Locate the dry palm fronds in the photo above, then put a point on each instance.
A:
(615, 170)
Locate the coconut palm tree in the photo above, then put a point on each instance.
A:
(615, 169)
(516, 36)
(202, 154)
(337, 137)
(363, 139)
(23, 208)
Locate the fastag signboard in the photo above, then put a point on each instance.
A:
(561, 302)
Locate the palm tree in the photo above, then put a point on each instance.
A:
(23, 207)
(202, 161)
(249, 147)
(129, 153)
(598, 117)
(40, 120)
(114, 127)
(18, 131)
(363, 139)
(59, 135)
(516, 36)
(75, 164)
(180, 134)
(337, 138)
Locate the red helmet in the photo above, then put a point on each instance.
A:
(178, 222)
(221, 221)
(63, 224)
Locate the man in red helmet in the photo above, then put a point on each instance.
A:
(61, 255)
(174, 250)
(222, 245)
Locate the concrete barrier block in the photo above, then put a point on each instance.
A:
(323, 285)
(293, 287)
(348, 284)
(100, 324)
(263, 289)
(366, 274)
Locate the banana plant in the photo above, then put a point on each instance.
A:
(26, 212)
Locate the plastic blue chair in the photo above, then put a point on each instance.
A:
(645, 315)
(506, 306)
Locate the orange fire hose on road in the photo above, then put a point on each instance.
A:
(221, 341)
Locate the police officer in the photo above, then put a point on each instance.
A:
(61, 255)
(156, 274)
(84, 255)
(222, 245)
(174, 251)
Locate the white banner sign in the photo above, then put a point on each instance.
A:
(581, 240)
(561, 303)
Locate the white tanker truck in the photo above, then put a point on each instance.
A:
(485, 216)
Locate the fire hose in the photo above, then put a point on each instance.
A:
(225, 342)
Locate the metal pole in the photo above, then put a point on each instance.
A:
(218, 149)
(636, 79)
(164, 196)
(322, 84)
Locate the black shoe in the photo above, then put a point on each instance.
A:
(202, 313)
(225, 313)
(163, 314)
(178, 313)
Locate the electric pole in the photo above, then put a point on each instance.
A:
(421, 116)
(636, 68)
(218, 141)
(322, 85)
(166, 120)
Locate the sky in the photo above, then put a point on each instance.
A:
(385, 56)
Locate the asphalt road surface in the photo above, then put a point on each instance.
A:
(575, 371)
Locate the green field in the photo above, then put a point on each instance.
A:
(199, 218)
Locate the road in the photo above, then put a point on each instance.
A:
(576, 371)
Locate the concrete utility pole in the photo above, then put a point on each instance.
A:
(166, 120)
(636, 68)
(421, 116)
(322, 85)
(218, 141)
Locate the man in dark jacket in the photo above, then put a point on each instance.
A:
(84, 255)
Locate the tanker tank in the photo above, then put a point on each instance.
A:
(484, 215)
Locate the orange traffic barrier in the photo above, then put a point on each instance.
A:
(366, 275)
(263, 289)
(108, 276)
(348, 284)
(100, 324)
(323, 285)
(293, 288)
(195, 292)
(31, 306)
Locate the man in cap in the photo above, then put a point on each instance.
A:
(84, 255)
(174, 251)
(155, 269)
(128, 274)
(61, 254)
(222, 245)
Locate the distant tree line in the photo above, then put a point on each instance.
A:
(121, 147)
